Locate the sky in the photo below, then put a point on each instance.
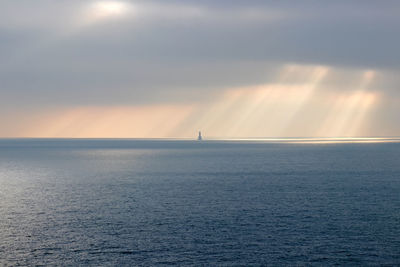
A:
(167, 69)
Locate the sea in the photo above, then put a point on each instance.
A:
(264, 202)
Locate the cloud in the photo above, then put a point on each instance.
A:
(71, 54)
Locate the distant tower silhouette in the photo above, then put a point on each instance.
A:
(199, 138)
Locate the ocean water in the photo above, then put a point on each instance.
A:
(162, 202)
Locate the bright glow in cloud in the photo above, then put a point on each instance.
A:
(103, 10)
(110, 8)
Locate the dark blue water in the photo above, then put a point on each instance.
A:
(138, 202)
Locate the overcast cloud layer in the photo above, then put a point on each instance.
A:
(58, 53)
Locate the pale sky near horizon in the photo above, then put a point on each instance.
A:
(233, 69)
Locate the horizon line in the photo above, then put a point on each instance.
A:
(286, 140)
